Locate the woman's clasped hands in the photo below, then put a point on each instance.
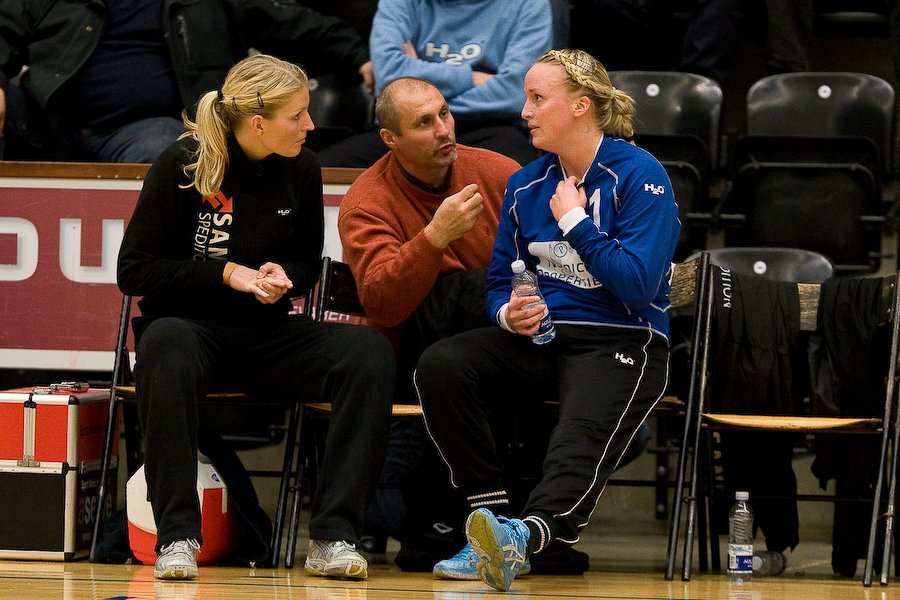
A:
(268, 284)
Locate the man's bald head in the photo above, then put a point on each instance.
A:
(387, 106)
(418, 129)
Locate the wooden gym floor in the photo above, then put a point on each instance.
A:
(81, 580)
(626, 545)
(622, 567)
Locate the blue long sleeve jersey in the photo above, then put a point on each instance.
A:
(613, 267)
(455, 37)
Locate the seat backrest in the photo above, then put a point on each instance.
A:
(785, 150)
(339, 107)
(807, 269)
(832, 209)
(339, 101)
(674, 104)
(776, 264)
(823, 104)
(337, 291)
(683, 287)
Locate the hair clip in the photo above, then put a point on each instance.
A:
(259, 99)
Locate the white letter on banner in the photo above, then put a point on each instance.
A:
(26, 249)
(70, 251)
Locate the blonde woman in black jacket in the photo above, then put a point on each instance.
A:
(228, 225)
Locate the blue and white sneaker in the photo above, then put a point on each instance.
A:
(462, 565)
(500, 544)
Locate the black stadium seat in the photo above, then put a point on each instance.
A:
(808, 172)
(677, 119)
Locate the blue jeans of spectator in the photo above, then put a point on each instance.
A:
(137, 142)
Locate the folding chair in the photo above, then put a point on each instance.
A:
(122, 393)
(702, 416)
(677, 119)
(670, 410)
(336, 295)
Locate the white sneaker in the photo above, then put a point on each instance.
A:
(177, 560)
(335, 559)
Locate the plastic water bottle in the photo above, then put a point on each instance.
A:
(740, 539)
(768, 563)
(525, 283)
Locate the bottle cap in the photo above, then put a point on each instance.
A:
(742, 495)
(518, 266)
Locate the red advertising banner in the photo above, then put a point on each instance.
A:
(60, 230)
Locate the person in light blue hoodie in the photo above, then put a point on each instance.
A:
(596, 219)
(476, 52)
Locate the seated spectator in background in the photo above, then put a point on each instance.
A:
(562, 22)
(417, 230)
(714, 29)
(475, 52)
(107, 80)
(230, 219)
(596, 219)
(638, 32)
(358, 13)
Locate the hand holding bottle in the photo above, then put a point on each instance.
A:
(524, 313)
(530, 305)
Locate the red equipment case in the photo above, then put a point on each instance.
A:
(50, 456)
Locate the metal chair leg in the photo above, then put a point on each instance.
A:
(112, 430)
(690, 431)
(120, 365)
(887, 465)
(294, 524)
(287, 471)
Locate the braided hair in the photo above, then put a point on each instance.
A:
(613, 109)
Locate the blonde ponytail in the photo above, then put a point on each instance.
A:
(257, 85)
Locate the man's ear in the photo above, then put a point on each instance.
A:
(387, 136)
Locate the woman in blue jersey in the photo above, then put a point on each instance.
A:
(596, 219)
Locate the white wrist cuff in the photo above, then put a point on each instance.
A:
(571, 219)
(501, 318)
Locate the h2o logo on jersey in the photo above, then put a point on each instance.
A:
(656, 190)
(468, 52)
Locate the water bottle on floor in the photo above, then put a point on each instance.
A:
(740, 539)
(525, 283)
(768, 563)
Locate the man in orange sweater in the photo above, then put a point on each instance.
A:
(427, 208)
(417, 230)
